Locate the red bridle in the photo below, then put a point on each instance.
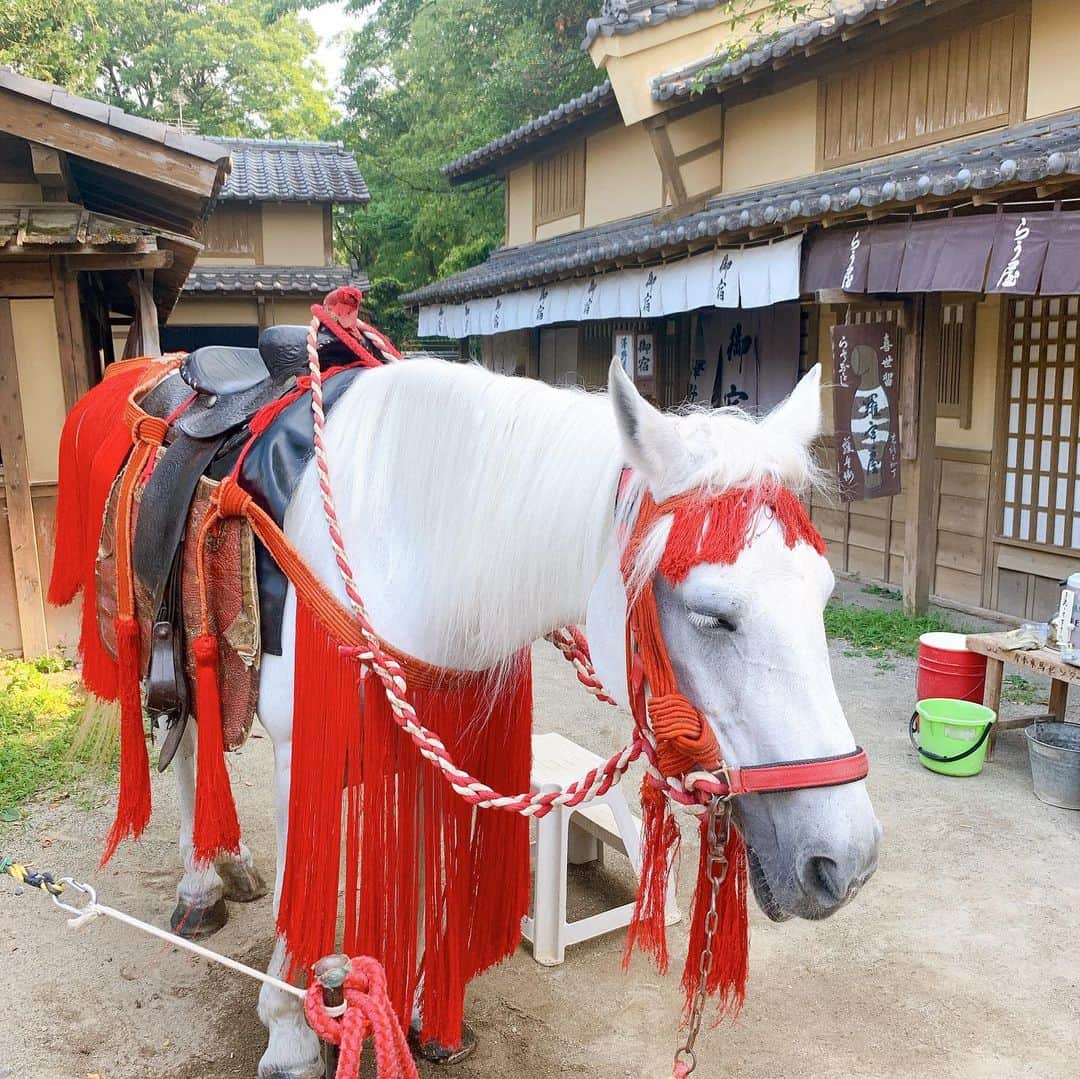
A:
(711, 528)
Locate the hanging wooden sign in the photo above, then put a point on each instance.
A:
(866, 361)
(645, 364)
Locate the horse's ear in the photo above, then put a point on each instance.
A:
(799, 416)
(650, 442)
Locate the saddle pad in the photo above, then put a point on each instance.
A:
(271, 470)
(233, 596)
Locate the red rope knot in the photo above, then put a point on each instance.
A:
(684, 739)
(368, 1014)
(149, 430)
(232, 500)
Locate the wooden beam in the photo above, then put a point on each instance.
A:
(51, 170)
(29, 594)
(665, 157)
(25, 281)
(43, 123)
(920, 324)
(119, 260)
(67, 307)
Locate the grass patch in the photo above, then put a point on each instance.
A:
(40, 709)
(879, 634)
(1018, 690)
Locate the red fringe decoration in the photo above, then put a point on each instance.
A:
(133, 808)
(731, 945)
(659, 845)
(475, 865)
(717, 529)
(93, 447)
(217, 829)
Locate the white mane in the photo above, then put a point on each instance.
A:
(478, 509)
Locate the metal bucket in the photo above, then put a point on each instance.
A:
(1054, 750)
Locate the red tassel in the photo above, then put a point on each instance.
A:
(659, 847)
(79, 510)
(133, 806)
(326, 716)
(217, 829)
(731, 944)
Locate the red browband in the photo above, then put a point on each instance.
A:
(794, 775)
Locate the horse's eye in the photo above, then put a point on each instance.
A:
(710, 621)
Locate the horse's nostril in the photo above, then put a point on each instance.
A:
(823, 878)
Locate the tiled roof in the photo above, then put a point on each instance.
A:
(1026, 154)
(272, 280)
(282, 170)
(478, 161)
(716, 70)
(629, 16)
(109, 115)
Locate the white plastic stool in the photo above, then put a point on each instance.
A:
(578, 836)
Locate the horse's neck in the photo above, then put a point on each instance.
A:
(477, 510)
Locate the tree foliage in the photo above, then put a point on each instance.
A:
(241, 67)
(429, 80)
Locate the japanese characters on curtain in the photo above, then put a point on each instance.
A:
(866, 362)
(745, 358)
(750, 277)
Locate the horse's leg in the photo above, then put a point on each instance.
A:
(200, 898)
(292, 1051)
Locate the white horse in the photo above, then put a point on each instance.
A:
(478, 512)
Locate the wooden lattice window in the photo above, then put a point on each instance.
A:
(1041, 414)
(956, 362)
(968, 80)
(559, 185)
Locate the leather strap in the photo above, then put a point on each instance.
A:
(798, 775)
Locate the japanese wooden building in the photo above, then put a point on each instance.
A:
(100, 214)
(914, 163)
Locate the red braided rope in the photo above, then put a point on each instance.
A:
(368, 1014)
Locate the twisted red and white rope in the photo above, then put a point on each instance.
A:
(691, 791)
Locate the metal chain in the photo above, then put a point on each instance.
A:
(717, 831)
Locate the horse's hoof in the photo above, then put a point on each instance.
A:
(194, 921)
(434, 1053)
(297, 1071)
(241, 882)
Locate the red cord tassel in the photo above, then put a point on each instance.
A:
(731, 944)
(217, 829)
(659, 846)
(133, 806)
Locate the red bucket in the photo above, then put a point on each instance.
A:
(948, 669)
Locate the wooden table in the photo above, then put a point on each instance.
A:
(1039, 661)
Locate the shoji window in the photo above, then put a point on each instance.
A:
(1042, 407)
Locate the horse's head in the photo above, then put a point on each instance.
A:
(742, 622)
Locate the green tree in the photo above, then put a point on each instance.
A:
(231, 67)
(429, 80)
(46, 39)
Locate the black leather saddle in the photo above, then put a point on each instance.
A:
(213, 396)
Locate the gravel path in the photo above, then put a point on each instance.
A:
(961, 958)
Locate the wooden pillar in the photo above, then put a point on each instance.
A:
(920, 323)
(29, 594)
(74, 366)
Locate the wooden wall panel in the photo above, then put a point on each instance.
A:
(965, 81)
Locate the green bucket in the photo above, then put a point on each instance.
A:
(951, 735)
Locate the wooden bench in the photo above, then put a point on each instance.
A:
(1039, 661)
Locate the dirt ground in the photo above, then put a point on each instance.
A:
(960, 958)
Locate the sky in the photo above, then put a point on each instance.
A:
(329, 22)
